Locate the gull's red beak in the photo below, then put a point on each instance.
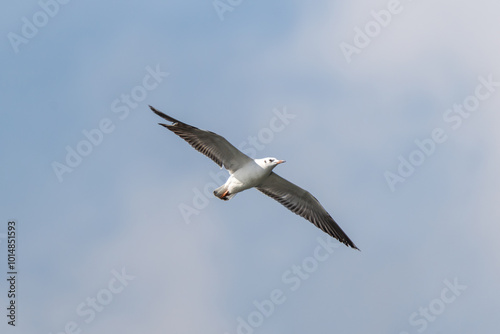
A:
(280, 162)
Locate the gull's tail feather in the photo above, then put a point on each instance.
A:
(223, 193)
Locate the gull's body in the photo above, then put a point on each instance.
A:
(250, 175)
(246, 173)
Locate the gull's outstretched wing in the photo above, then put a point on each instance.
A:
(304, 204)
(216, 147)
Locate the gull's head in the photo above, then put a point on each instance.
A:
(269, 163)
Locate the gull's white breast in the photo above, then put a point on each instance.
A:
(248, 176)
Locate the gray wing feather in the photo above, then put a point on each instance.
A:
(214, 146)
(303, 204)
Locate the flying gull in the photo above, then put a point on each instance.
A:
(246, 173)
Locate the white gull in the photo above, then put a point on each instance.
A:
(246, 173)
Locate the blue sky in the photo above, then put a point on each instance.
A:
(103, 244)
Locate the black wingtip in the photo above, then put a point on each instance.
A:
(163, 124)
(351, 244)
(153, 109)
(159, 113)
(162, 115)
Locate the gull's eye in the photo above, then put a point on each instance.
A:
(271, 160)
